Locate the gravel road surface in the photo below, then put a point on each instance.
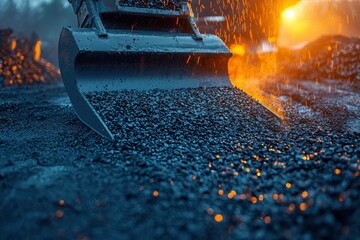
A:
(186, 164)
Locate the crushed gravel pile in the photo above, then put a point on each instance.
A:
(210, 156)
(194, 115)
(17, 64)
(157, 4)
(329, 57)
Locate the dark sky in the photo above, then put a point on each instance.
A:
(33, 3)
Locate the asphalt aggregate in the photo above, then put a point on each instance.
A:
(154, 4)
(217, 151)
(206, 163)
(186, 164)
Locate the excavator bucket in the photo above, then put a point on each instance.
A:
(103, 59)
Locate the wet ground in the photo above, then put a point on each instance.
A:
(214, 176)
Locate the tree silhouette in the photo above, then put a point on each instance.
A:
(46, 20)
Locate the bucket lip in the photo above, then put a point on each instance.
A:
(86, 39)
(83, 30)
(150, 12)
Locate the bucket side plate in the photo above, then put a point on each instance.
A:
(139, 61)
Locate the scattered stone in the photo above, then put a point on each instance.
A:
(20, 61)
(154, 4)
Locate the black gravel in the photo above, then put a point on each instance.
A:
(185, 116)
(181, 160)
(155, 4)
(193, 143)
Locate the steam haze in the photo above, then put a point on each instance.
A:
(309, 20)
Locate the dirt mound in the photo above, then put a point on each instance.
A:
(20, 61)
(329, 57)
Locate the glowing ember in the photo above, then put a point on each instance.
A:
(21, 62)
(291, 207)
(337, 171)
(303, 206)
(261, 198)
(304, 194)
(231, 194)
(59, 213)
(37, 51)
(13, 45)
(275, 196)
(218, 218)
(61, 202)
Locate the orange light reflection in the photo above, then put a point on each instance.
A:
(252, 73)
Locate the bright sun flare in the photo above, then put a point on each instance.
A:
(289, 14)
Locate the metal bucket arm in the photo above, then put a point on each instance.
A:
(89, 14)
